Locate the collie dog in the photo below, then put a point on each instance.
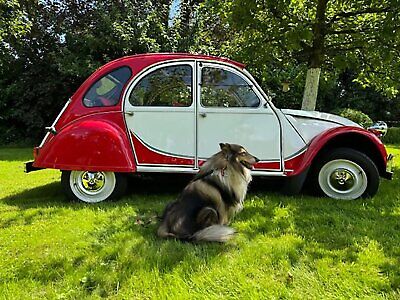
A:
(207, 204)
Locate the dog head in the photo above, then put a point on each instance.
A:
(238, 156)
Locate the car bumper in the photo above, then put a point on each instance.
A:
(29, 167)
(389, 167)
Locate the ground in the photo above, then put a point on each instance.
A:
(287, 247)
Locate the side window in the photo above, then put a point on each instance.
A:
(168, 86)
(222, 88)
(107, 90)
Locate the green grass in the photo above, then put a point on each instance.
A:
(287, 247)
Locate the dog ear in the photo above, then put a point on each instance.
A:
(225, 147)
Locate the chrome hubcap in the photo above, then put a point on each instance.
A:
(342, 179)
(92, 186)
(93, 181)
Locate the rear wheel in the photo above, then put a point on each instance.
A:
(346, 174)
(93, 187)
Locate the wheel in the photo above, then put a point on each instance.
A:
(93, 187)
(346, 174)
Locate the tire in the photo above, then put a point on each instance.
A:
(346, 174)
(93, 187)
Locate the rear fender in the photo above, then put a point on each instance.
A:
(95, 143)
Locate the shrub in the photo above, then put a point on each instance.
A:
(356, 116)
(392, 136)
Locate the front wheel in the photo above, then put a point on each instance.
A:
(93, 187)
(346, 174)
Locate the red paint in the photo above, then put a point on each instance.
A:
(95, 138)
(300, 164)
(137, 63)
(260, 166)
(267, 165)
(97, 142)
(293, 163)
(145, 155)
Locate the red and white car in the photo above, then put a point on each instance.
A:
(169, 112)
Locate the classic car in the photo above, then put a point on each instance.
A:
(168, 112)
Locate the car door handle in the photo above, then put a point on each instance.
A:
(129, 113)
(203, 114)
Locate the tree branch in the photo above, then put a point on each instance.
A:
(348, 14)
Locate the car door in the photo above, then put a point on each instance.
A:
(159, 112)
(231, 109)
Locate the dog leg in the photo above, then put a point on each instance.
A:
(163, 232)
(207, 216)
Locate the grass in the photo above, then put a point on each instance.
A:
(287, 247)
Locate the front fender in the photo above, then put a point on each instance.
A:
(95, 143)
(345, 136)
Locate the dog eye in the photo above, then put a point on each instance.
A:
(242, 153)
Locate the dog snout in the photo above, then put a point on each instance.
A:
(257, 160)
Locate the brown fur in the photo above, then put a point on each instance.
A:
(208, 203)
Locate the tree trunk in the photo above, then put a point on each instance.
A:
(316, 58)
(311, 89)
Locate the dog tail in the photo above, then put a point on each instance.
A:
(213, 233)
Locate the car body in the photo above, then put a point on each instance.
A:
(168, 112)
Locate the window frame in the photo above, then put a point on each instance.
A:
(100, 78)
(152, 69)
(253, 87)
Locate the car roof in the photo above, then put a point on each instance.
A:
(159, 57)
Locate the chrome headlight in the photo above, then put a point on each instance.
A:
(379, 129)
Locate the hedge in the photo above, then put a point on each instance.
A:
(392, 136)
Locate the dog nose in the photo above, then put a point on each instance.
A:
(257, 160)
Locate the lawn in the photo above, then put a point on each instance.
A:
(287, 247)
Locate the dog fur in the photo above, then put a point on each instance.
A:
(208, 203)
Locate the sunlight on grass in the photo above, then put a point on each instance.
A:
(287, 247)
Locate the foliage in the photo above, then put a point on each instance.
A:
(392, 136)
(356, 116)
(279, 39)
(48, 48)
(286, 247)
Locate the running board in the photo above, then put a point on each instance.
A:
(194, 171)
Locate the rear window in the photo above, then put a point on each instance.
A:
(107, 90)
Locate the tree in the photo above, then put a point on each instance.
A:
(48, 48)
(334, 34)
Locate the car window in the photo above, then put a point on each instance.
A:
(222, 88)
(107, 90)
(167, 86)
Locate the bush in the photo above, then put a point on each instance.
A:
(356, 116)
(392, 136)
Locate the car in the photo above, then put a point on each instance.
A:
(168, 112)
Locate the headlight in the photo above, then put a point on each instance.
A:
(379, 129)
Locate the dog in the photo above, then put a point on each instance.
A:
(207, 204)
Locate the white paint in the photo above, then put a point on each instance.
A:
(310, 124)
(167, 129)
(292, 142)
(256, 129)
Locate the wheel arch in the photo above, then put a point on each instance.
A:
(350, 137)
(94, 143)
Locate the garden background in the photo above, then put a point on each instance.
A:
(49, 47)
(302, 247)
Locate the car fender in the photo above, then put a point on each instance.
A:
(345, 136)
(96, 143)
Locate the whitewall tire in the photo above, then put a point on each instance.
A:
(93, 187)
(346, 174)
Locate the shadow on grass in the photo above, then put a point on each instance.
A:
(329, 228)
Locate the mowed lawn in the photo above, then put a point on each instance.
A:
(299, 247)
